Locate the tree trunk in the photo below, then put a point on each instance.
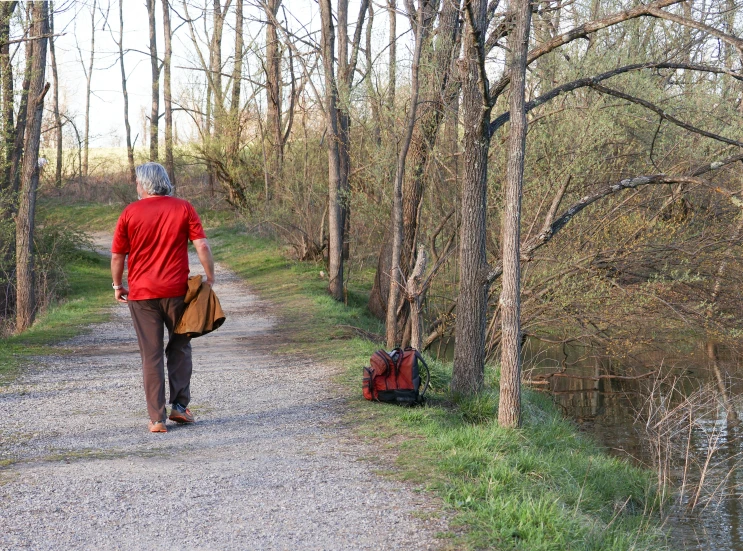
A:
(88, 79)
(469, 350)
(235, 131)
(169, 164)
(374, 104)
(25, 302)
(337, 94)
(57, 116)
(415, 292)
(20, 126)
(335, 220)
(6, 74)
(6, 199)
(509, 409)
(274, 96)
(215, 66)
(155, 72)
(392, 86)
(129, 148)
(397, 282)
(438, 93)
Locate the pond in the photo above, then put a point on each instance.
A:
(667, 414)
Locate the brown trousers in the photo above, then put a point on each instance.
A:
(149, 318)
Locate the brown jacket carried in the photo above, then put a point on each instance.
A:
(203, 313)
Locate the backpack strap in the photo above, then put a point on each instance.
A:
(428, 372)
(397, 354)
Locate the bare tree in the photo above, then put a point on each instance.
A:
(120, 44)
(472, 299)
(273, 95)
(439, 92)
(19, 133)
(155, 71)
(509, 408)
(6, 74)
(237, 79)
(55, 98)
(88, 78)
(392, 46)
(478, 98)
(337, 92)
(396, 283)
(25, 302)
(168, 34)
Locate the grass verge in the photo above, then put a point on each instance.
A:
(88, 283)
(543, 487)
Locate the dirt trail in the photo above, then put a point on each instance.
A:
(268, 465)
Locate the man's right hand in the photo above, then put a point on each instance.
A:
(121, 295)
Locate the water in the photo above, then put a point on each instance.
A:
(673, 421)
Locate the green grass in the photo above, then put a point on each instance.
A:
(82, 216)
(99, 217)
(543, 487)
(89, 291)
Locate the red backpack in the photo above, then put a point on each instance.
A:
(395, 377)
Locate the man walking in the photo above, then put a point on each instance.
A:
(154, 232)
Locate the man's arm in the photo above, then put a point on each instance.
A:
(205, 257)
(117, 274)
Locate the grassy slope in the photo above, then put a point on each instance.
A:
(88, 289)
(542, 487)
(89, 283)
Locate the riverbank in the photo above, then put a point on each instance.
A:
(542, 487)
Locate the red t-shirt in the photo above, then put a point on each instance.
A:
(154, 232)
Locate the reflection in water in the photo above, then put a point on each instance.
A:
(672, 420)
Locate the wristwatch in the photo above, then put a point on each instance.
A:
(117, 287)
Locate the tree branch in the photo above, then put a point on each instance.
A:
(661, 113)
(502, 119)
(553, 228)
(581, 32)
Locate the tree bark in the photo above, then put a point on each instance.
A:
(167, 98)
(337, 97)
(215, 65)
(397, 282)
(8, 130)
(374, 103)
(415, 292)
(235, 131)
(274, 96)
(155, 72)
(509, 409)
(57, 116)
(25, 302)
(129, 148)
(335, 220)
(88, 79)
(392, 86)
(469, 351)
(19, 133)
(6, 74)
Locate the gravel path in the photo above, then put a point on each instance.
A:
(268, 464)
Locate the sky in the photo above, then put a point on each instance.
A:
(73, 25)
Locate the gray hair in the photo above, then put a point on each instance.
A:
(154, 179)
